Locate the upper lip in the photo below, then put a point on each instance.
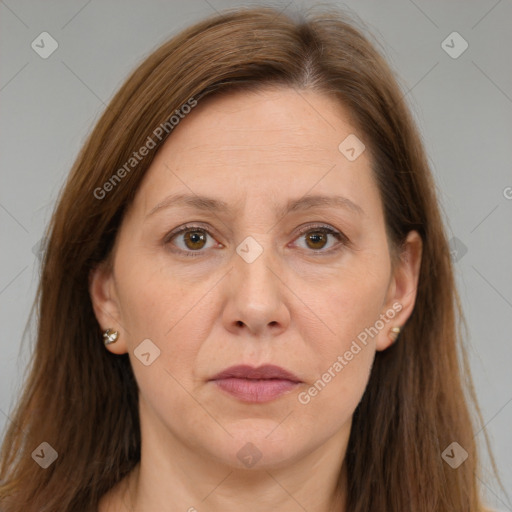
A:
(266, 371)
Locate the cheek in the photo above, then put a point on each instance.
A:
(343, 360)
(154, 306)
(354, 301)
(174, 313)
(152, 300)
(342, 363)
(334, 396)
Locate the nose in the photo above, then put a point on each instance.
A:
(256, 294)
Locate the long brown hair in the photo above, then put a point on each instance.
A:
(82, 400)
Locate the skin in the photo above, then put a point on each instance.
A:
(299, 305)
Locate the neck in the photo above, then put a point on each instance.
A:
(274, 491)
(182, 478)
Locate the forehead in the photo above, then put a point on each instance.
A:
(274, 142)
(268, 122)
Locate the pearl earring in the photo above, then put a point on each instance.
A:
(110, 337)
(394, 332)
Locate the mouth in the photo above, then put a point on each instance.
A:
(256, 385)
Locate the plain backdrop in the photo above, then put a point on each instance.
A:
(463, 106)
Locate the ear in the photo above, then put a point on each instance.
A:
(105, 304)
(402, 289)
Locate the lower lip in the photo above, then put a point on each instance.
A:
(249, 390)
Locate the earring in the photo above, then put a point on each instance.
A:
(394, 332)
(110, 337)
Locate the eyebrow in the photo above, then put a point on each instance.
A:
(293, 205)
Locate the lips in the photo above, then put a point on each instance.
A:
(261, 384)
(267, 371)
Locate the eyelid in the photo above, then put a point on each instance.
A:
(189, 226)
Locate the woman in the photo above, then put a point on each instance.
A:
(247, 297)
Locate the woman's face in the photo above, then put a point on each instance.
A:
(283, 260)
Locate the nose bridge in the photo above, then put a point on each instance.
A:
(254, 265)
(255, 291)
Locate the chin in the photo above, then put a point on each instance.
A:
(258, 444)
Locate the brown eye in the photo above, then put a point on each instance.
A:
(316, 239)
(190, 240)
(319, 238)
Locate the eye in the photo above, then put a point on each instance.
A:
(317, 238)
(190, 239)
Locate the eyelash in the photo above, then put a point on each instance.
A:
(319, 227)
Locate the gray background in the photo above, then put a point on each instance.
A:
(463, 107)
